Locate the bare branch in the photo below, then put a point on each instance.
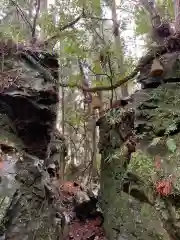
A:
(69, 25)
(35, 18)
(100, 19)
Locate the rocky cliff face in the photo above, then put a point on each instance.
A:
(28, 110)
(140, 186)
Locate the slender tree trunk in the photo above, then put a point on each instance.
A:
(43, 9)
(177, 15)
(118, 47)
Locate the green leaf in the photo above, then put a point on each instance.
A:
(95, 4)
(96, 68)
(171, 145)
(47, 25)
(141, 22)
(74, 79)
(171, 128)
(155, 141)
(166, 7)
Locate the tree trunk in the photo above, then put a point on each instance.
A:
(118, 47)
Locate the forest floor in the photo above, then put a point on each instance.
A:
(86, 220)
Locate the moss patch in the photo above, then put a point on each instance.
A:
(121, 211)
(165, 116)
(142, 165)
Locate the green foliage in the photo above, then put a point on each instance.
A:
(75, 119)
(171, 144)
(171, 128)
(112, 156)
(167, 8)
(143, 165)
(155, 141)
(142, 25)
(95, 5)
(46, 23)
(165, 117)
(13, 31)
(74, 79)
(96, 67)
(91, 6)
(113, 116)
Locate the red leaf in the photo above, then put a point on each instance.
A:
(164, 187)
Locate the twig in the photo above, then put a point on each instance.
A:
(69, 25)
(100, 19)
(111, 78)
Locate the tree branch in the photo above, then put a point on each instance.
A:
(143, 61)
(69, 25)
(23, 15)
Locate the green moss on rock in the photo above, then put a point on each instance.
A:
(121, 211)
(165, 114)
(159, 114)
(142, 165)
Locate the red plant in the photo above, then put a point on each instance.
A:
(164, 187)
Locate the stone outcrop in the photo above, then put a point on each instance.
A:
(28, 111)
(140, 187)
